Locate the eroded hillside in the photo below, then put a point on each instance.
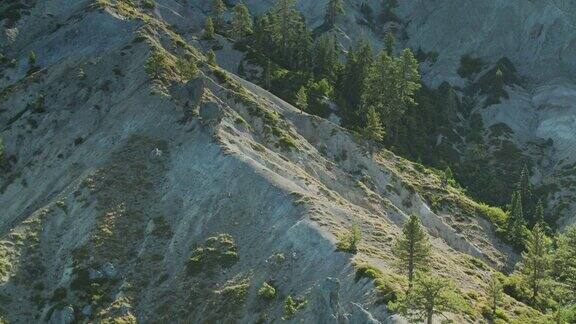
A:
(130, 196)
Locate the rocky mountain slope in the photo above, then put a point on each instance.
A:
(129, 198)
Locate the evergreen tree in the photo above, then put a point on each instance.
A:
(536, 262)
(525, 189)
(390, 87)
(373, 130)
(352, 82)
(31, 58)
(334, 8)
(430, 296)
(209, 28)
(516, 223)
(412, 248)
(539, 214)
(211, 57)
(156, 64)
(302, 99)
(241, 21)
(494, 290)
(389, 43)
(218, 8)
(564, 267)
(292, 38)
(267, 74)
(325, 58)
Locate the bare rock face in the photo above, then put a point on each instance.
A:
(360, 316)
(211, 112)
(62, 316)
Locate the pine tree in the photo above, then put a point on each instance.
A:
(412, 248)
(334, 8)
(325, 58)
(390, 87)
(241, 21)
(211, 57)
(209, 28)
(516, 223)
(31, 58)
(156, 64)
(564, 267)
(267, 74)
(302, 99)
(536, 262)
(352, 81)
(525, 188)
(389, 43)
(430, 296)
(373, 130)
(539, 214)
(494, 290)
(292, 39)
(218, 8)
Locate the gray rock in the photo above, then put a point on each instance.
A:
(325, 304)
(94, 274)
(360, 316)
(87, 310)
(211, 112)
(109, 270)
(63, 316)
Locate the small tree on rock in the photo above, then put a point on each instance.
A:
(494, 290)
(209, 28)
(412, 247)
(430, 296)
(157, 64)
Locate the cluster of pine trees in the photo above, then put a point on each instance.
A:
(544, 279)
(304, 67)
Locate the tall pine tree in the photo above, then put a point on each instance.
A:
(536, 263)
(241, 21)
(218, 9)
(516, 224)
(325, 58)
(351, 82)
(334, 8)
(412, 247)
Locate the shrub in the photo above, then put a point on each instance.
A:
(149, 4)
(389, 285)
(291, 307)
(216, 252)
(157, 64)
(349, 241)
(186, 68)
(267, 291)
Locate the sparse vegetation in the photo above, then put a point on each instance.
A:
(216, 252)
(267, 291)
(349, 241)
(292, 306)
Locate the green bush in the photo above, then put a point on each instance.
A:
(149, 4)
(292, 306)
(216, 252)
(267, 291)
(349, 241)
